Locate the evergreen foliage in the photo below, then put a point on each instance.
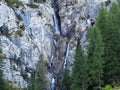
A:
(79, 74)
(100, 23)
(4, 84)
(66, 80)
(103, 64)
(109, 24)
(38, 79)
(41, 73)
(11, 3)
(33, 85)
(39, 1)
(32, 5)
(95, 60)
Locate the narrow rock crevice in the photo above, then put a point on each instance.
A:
(56, 18)
(58, 62)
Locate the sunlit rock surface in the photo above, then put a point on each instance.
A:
(35, 38)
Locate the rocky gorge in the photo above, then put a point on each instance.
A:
(52, 29)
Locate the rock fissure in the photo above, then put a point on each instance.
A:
(74, 18)
(59, 61)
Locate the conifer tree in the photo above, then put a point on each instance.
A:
(101, 20)
(95, 60)
(79, 73)
(112, 45)
(41, 73)
(66, 80)
(2, 86)
(109, 25)
(38, 79)
(1, 81)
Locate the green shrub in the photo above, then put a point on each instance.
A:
(82, 17)
(39, 1)
(12, 3)
(19, 33)
(32, 5)
(107, 87)
(116, 88)
(2, 56)
(38, 79)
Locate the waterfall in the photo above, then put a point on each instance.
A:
(57, 28)
(53, 84)
(67, 53)
(56, 17)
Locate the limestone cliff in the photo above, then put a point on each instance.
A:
(52, 28)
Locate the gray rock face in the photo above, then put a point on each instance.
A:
(29, 35)
(77, 16)
(32, 32)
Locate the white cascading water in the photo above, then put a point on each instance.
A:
(53, 84)
(67, 53)
(57, 30)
